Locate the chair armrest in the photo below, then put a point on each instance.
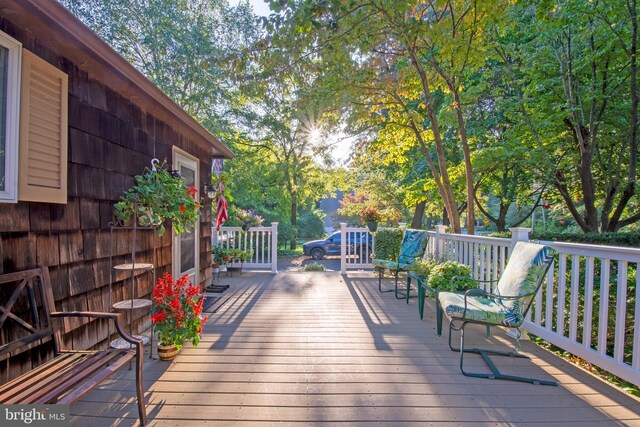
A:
(116, 317)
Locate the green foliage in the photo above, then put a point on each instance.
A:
(314, 266)
(612, 239)
(177, 311)
(286, 233)
(311, 224)
(501, 234)
(423, 268)
(220, 255)
(450, 276)
(160, 196)
(388, 241)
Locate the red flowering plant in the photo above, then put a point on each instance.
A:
(177, 311)
(370, 214)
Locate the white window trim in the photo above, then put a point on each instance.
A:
(10, 193)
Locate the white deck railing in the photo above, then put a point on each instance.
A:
(581, 308)
(356, 255)
(262, 242)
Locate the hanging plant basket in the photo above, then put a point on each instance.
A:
(373, 226)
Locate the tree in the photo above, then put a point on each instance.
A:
(184, 47)
(580, 103)
(410, 52)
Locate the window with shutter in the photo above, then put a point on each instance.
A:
(43, 132)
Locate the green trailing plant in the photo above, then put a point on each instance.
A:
(388, 242)
(423, 268)
(450, 276)
(238, 255)
(159, 196)
(314, 267)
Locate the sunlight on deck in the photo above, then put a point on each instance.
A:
(321, 348)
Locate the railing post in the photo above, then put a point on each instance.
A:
(439, 245)
(214, 236)
(274, 247)
(519, 234)
(343, 248)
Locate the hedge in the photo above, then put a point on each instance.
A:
(388, 242)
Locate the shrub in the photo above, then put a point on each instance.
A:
(441, 277)
(613, 239)
(503, 234)
(423, 268)
(311, 224)
(388, 242)
(314, 267)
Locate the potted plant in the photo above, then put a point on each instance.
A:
(248, 218)
(220, 255)
(159, 196)
(370, 216)
(450, 276)
(238, 256)
(177, 314)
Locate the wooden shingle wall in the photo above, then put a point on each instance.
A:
(110, 141)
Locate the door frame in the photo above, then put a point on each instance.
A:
(181, 157)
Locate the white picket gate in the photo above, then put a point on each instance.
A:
(262, 242)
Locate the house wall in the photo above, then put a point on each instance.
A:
(111, 139)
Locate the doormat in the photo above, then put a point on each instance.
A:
(210, 299)
(217, 288)
(208, 302)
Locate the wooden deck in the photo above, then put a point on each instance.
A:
(320, 348)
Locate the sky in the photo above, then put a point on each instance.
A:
(260, 7)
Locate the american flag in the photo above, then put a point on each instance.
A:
(221, 211)
(217, 167)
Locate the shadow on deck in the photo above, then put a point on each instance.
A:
(321, 348)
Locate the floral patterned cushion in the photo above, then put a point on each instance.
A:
(524, 272)
(414, 243)
(389, 265)
(481, 309)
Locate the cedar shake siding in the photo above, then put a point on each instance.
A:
(111, 138)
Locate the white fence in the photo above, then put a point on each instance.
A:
(262, 242)
(581, 308)
(356, 248)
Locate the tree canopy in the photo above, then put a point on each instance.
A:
(454, 105)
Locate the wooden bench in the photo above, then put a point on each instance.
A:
(70, 374)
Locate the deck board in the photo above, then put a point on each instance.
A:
(325, 349)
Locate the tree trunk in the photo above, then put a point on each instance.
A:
(448, 198)
(471, 215)
(416, 222)
(293, 217)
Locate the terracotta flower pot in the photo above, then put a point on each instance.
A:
(167, 352)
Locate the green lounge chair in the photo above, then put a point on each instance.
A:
(518, 284)
(414, 243)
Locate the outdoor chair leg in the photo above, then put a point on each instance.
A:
(400, 294)
(380, 273)
(495, 372)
